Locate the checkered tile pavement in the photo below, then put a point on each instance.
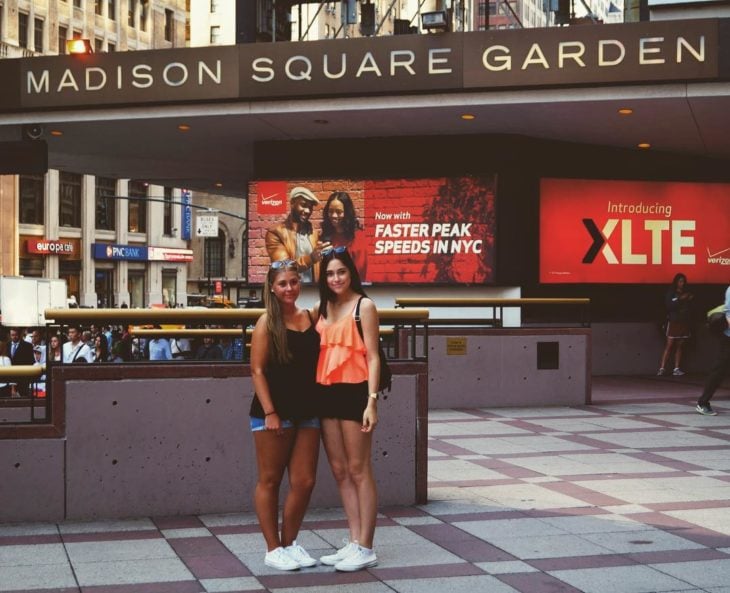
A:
(629, 495)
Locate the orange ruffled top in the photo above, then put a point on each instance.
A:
(341, 352)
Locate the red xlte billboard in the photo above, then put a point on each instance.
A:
(633, 231)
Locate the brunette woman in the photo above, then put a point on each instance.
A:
(284, 350)
(341, 227)
(677, 302)
(348, 370)
(55, 352)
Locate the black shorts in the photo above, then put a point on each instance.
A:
(345, 401)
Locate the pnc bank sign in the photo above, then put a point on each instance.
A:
(638, 52)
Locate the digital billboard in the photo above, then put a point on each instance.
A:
(399, 231)
(594, 231)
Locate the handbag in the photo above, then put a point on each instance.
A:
(717, 320)
(385, 380)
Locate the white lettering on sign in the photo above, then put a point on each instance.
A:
(610, 52)
(141, 76)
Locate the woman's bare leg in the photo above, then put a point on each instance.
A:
(358, 449)
(272, 456)
(302, 475)
(334, 446)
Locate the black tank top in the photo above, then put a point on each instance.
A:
(293, 386)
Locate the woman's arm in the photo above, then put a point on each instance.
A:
(259, 357)
(371, 336)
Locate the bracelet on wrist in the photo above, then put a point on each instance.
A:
(269, 413)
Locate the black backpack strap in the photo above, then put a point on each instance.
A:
(357, 318)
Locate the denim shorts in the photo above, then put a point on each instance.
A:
(258, 424)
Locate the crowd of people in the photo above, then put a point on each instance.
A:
(101, 344)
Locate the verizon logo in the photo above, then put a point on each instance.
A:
(271, 200)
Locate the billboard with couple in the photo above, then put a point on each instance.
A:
(398, 231)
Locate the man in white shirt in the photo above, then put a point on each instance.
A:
(75, 349)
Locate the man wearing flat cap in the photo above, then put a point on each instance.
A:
(295, 238)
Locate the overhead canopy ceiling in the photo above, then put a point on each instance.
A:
(216, 152)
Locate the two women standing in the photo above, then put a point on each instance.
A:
(301, 376)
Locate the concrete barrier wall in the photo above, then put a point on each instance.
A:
(636, 349)
(499, 368)
(152, 440)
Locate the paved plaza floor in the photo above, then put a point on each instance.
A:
(628, 495)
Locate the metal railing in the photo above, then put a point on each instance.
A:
(494, 314)
(28, 403)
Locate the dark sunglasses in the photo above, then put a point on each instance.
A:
(283, 263)
(331, 250)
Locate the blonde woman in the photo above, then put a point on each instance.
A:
(284, 421)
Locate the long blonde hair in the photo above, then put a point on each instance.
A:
(274, 319)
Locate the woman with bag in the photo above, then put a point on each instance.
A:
(676, 301)
(348, 372)
(284, 421)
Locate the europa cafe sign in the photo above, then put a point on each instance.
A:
(51, 246)
(624, 53)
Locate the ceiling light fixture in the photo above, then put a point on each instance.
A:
(183, 127)
(56, 133)
(468, 116)
(218, 184)
(643, 145)
(625, 111)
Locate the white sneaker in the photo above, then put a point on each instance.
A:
(339, 555)
(280, 560)
(300, 555)
(362, 558)
(677, 372)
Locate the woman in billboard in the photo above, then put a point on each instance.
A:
(284, 350)
(340, 227)
(348, 371)
(677, 302)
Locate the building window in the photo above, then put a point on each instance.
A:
(137, 208)
(31, 199)
(213, 5)
(69, 199)
(62, 35)
(22, 29)
(215, 35)
(98, 6)
(169, 24)
(143, 16)
(38, 35)
(104, 287)
(135, 282)
(98, 45)
(169, 288)
(167, 213)
(111, 9)
(214, 256)
(132, 12)
(110, 47)
(106, 189)
(77, 3)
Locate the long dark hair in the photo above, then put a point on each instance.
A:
(274, 320)
(325, 294)
(350, 221)
(677, 278)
